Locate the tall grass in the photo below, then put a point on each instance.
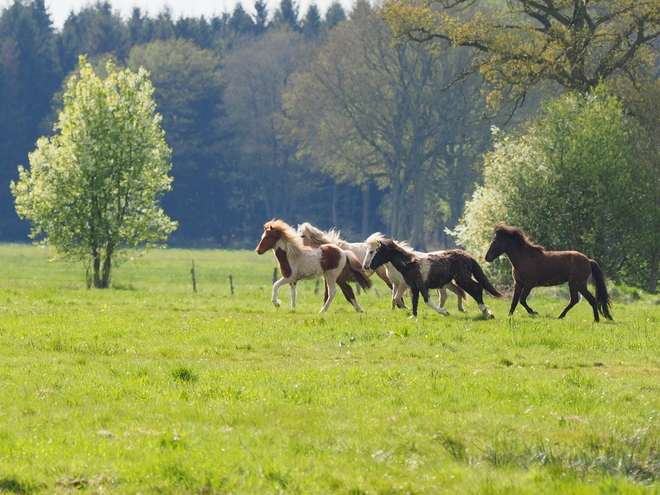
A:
(151, 388)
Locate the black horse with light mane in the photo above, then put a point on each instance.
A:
(434, 271)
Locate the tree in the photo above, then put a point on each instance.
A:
(334, 15)
(644, 108)
(571, 181)
(92, 189)
(30, 74)
(368, 112)
(187, 88)
(575, 44)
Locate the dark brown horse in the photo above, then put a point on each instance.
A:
(533, 266)
(433, 271)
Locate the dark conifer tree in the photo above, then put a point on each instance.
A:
(261, 16)
(311, 25)
(286, 17)
(334, 15)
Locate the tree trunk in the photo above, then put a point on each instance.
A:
(417, 238)
(653, 273)
(96, 266)
(366, 205)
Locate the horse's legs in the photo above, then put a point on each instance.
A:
(415, 299)
(574, 299)
(442, 297)
(523, 299)
(475, 290)
(292, 292)
(348, 293)
(589, 297)
(430, 303)
(460, 295)
(397, 295)
(276, 287)
(382, 273)
(516, 296)
(331, 290)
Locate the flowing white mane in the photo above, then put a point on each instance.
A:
(318, 236)
(377, 237)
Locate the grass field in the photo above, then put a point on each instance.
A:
(150, 388)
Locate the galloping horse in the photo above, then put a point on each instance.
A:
(399, 283)
(434, 271)
(534, 266)
(299, 262)
(315, 237)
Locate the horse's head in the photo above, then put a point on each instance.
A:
(268, 239)
(497, 244)
(304, 233)
(372, 241)
(387, 250)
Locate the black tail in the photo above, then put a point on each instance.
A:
(479, 274)
(355, 267)
(603, 299)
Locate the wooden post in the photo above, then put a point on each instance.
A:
(192, 272)
(274, 275)
(231, 284)
(316, 287)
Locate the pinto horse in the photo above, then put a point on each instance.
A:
(399, 283)
(433, 271)
(299, 262)
(533, 266)
(315, 237)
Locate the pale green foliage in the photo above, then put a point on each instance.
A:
(93, 187)
(569, 181)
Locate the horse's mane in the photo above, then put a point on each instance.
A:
(516, 235)
(403, 253)
(288, 234)
(319, 237)
(377, 237)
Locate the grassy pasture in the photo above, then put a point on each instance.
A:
(150, 388)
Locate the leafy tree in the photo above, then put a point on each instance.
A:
(644, 108)
(92, 189)
(268, 178)
(95, 30)
(570, 181)
(187, 88)
(369, 112)
(575, 44)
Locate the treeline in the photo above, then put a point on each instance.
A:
(219, 83)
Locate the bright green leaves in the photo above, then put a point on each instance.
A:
(94, 187)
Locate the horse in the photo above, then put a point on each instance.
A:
(315, 237)
(299, 262)
(533, 266)
(434, 271)
(399, 283)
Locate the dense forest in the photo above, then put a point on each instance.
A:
(222, 87)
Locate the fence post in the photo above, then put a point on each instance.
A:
(192, 272)
(231, 284)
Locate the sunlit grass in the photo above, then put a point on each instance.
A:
(149, 387)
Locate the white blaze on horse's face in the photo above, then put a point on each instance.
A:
(368, 257)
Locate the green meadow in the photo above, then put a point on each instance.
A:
(151, 388)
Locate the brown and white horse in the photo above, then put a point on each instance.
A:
(315, 237)
(398, 282)
(299, 262)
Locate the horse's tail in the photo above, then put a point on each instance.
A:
(479, 274)
(603, 299)
(355, 267)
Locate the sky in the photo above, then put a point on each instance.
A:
(60, 9)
